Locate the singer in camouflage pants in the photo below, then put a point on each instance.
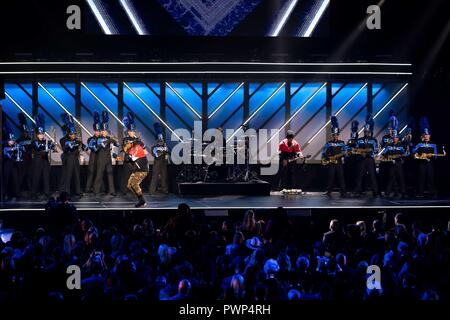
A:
(135, 180)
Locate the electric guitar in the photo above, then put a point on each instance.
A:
(297, 156)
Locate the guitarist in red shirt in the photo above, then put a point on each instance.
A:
(289, 150)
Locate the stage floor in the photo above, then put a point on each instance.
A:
(310, 200)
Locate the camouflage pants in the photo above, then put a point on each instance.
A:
(135, 180)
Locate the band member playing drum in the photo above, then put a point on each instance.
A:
(136, 158)
(332, 156)
(289, 150)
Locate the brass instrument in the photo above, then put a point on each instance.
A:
(361, 151)
(428, 156)
(390, 158)
(333, 159)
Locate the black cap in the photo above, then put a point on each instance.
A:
(290, 134)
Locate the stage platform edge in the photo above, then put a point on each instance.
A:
(253, 188)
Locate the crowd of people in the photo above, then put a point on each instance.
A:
(191, 256)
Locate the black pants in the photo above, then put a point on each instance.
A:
(24, 175)
(71, 171)
(125, 172)
(336, 171)
(41, 171)
(287, 176)
(425, 176)
(92, 166)
(366, 166)
(104, 164)
(159, 171)
(395, 175)
(9, 179)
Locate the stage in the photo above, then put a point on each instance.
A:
(309, 200)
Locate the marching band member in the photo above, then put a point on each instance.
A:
(332, 156)
(41, 157)
(366, 148)
(136, 159)
(351, 159)
(160, 153)
(92, 147)
(393, 155)
(388, 138)
(12, 153)
(72, 147)
(104, 161)
(24, 172)
(425, 153)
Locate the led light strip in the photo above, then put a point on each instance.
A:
(387, 104)
(337, 113)
(99, 17)
(208, 72)
(135, 20)
(64, 108)
(290, 7)
(184, 101)
(296, 112)
(226, 100)
(211, 63)
(26, 113)
(101, 102)
(151, 110)
(257, 110)
(316, 18)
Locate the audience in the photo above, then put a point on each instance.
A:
(257, 258)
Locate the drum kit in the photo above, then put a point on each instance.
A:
(219, 171)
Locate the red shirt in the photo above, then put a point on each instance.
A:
(137, 151)
(294, 148)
